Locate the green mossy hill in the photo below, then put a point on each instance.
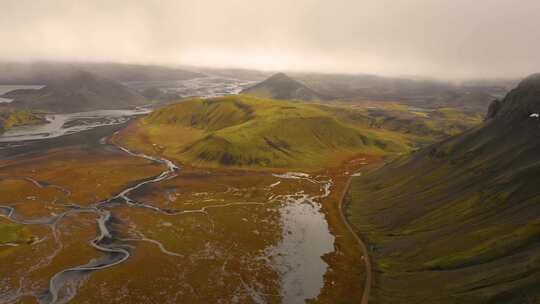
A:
(203, 114)
(12, 118)
(249, 131)
(459, 221)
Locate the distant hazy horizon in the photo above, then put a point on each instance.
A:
(424, 38)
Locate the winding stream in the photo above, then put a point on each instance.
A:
(305, 237)
(104, 242)
(114, 253)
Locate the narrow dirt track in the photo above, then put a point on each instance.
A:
(367, 262)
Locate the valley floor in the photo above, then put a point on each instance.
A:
(169, 208)
(208, 235)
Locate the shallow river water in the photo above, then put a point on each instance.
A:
(64, 124)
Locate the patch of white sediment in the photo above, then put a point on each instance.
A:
(292, 175)
(274, 184)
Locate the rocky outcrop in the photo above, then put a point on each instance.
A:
(494, 107)
(520, 103)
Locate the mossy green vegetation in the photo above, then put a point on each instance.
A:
(11, 118)
(458, 221)
(11, 233)
(208, 115)
(423, 125)
(247, 131)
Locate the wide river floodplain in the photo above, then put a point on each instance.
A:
(112, 225)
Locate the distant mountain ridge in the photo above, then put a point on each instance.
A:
(281, 86)
(474, 98)
(42, 73)
(459, 221)
(79, 91)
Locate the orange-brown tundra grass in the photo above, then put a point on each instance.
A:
(344, 279)
(95, 175)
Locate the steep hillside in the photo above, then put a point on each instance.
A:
(459, 221)
(281, 86)
(80, 91)
(245, 131)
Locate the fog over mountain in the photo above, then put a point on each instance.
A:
(435, 38)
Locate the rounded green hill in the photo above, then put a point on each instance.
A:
(246, 131)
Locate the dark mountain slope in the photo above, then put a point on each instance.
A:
(44, 72)
(80, 91)
(522, 101)
(281, 86)
(472, 96)
(459, 222)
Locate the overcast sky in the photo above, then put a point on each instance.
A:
(440, 38)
